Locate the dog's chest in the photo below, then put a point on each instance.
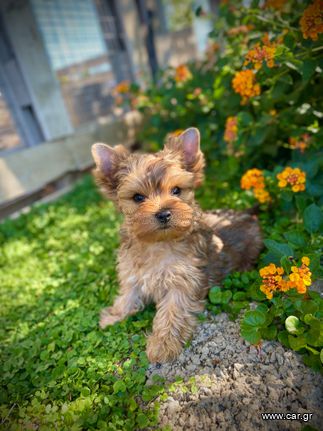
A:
(153, 269)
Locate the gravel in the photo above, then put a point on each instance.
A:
(223, 383)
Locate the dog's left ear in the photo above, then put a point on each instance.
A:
(188, 145)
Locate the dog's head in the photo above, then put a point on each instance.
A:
(155, 192)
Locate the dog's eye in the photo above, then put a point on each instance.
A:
(176, 191)
(138, 198)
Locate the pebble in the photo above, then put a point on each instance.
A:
(235, 382)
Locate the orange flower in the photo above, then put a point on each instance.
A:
(254, 179)
(244, 83)
(182, 73)
(231, 129)
(300, 277)
(259, 53)
(293, 177)
(272, 280)
(262, 195)
(312, 20)
(300, 143)
(123, 87)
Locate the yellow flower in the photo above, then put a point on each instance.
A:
(182, 73)
(292, 177)
(231, 129)
(312, 20)
(259, 53)
(300, 277)
(262, 195)
(244, 83)
(306, 260)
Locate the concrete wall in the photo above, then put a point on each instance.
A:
(26, 171)
(31, 55)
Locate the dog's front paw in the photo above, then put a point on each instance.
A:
(161, 349)
(107, 318)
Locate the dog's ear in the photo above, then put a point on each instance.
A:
(188, 145)
(108, 160)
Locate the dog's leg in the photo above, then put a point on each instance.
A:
(173, 325)
(127, 303)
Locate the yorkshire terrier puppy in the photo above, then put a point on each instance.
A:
(171, 252)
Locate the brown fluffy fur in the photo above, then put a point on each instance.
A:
(171, 267)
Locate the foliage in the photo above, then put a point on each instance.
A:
(59, 371)
(256, 100)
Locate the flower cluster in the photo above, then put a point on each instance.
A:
(273, 278)
(254, 179)
(260, 53)
(296, 178)
(244, 83)
(182, 73)
(231, 129)
(312, 20)
(300, 143)
(300, 277)
(122, 88)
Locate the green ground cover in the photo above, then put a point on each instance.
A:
(57, 263)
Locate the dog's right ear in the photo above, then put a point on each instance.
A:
(107, 160)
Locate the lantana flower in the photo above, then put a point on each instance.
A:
(301, 277)
(244, 83)
(295, 178)
(254, 180)
(122, 88)
(182, 73)
(273, 278)
(300, 143)
(312, 20)
(259, 53)
(231, 129)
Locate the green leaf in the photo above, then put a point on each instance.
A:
(298, 239)
(313, 218)
(278, 249)
(321, 355)
(250, 333)
(239, 296)
(217, 295)
(142, 420)
(308, 68)
(283, 338)
(119, 386)
(255, 318)
(269, 333)
(297, 343)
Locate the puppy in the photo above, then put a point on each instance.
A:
(171, 252)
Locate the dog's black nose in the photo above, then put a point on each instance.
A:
(163, 216)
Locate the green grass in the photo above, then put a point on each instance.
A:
(59, 371)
